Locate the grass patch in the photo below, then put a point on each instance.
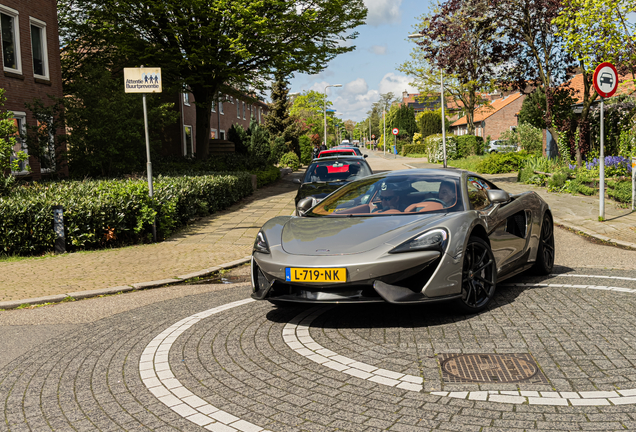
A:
(416, 155)
(469, 163)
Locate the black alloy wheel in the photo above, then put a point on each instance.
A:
(545, 253)
(479, 276)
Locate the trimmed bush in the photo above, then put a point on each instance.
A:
(496, 163)
(109, 213)
(469, 145)
(266, 176)
(306, 149)
(621, 191)
(290, 160)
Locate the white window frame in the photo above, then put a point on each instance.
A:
(221, 107)
(22, 116)
(16, 34)
(42, 26)
(51, 149)
(213, 106)
(216, 134)
(238, 109)
(186, 98)
(243, 110)
(222, 133)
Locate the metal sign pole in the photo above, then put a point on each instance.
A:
(394, 146)
(633, 181)
(384, 129)
(149, 166)
(441, 77)
(601, 191)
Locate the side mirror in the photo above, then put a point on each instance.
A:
(366, 156)
(304, 205)
(297, 181)
(498, 196)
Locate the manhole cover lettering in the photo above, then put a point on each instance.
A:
(485, 368)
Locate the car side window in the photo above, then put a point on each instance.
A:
(477, 194)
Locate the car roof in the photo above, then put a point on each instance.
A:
(340, 158)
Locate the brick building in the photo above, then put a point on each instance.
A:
(493, 119)
(233, 109)
(31, 70)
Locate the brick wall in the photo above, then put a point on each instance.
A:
(502, 120)
(24, 86)
(220, 122)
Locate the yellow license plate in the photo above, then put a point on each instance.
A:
(331, 275)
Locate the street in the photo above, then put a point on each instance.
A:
(206, 357)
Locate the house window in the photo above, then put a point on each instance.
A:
(260, 112)
(212, 133)
(222, 134)
(238, 109)
(38, 48)
(46, 131)
(19, 119)
(10, 40)
(188, 140)
(213, 106)
(186, 99)
(221, 107)
(243, 110)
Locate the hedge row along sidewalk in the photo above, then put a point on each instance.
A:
(108, 213)
(223, 237)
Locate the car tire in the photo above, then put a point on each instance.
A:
(545, 252)
(479, 276)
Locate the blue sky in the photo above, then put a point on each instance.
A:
(371, 68)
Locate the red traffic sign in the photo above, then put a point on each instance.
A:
(605, 79)
(372, 136)
(395, 131)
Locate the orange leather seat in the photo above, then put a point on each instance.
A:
(423, 207)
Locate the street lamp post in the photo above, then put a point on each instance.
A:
(441, 76)
(384, 129)
(325, 108)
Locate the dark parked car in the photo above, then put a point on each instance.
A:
(327, 174)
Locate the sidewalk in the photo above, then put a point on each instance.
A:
(221, 238)
(226, 238)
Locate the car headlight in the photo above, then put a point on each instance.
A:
(260, 244)
(436, 239)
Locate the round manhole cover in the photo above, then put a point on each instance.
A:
(489, 368)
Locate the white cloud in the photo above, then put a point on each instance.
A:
(356, 87)
(392, 82)
(378, 49)
(383, 12)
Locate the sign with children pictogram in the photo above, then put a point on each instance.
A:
(142, 80)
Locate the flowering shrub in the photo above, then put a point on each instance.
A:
(614, 166)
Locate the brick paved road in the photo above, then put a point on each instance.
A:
(88, 377)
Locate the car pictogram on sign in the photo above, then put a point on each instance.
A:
(606, 78)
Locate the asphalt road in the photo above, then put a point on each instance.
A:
(149, 360)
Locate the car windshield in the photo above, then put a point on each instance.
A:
(393, 194)
(328, 153)
(336, 170)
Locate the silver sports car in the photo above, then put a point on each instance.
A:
(404, 237)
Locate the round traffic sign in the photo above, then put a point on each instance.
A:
(395, 131)
(605, 79)
(372, 136)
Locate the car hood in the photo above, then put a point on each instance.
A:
(318, 190)
(319, 236)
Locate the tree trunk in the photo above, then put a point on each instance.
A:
(470, 113)
(203, 99)
(585, 114)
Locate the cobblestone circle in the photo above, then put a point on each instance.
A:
(238, 361)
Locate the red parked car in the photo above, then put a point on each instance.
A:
(337, 152)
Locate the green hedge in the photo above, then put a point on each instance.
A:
(414, 149)
(496, 163)
(266, 176)
(469, 145)
(108, 213)
(290, 160)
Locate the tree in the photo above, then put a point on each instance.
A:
(107, 124)
(594, 32)
(533, 108)
(278, 122)
(461, 40)
(210, 45)
(533, 50)
(307, 108)
(429, 123)
(9, 159)
(402, 117)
